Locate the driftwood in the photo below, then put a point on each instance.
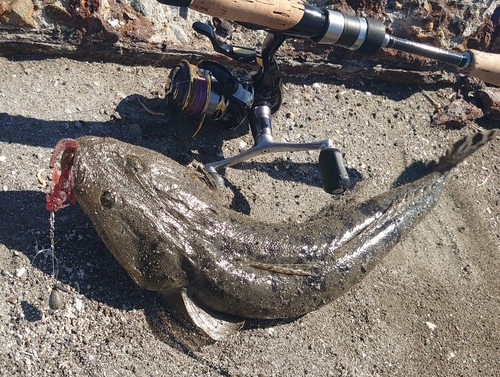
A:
(345, 65)
(147, 33)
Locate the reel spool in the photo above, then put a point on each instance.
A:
(210, 91)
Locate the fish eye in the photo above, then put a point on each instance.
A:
(134, 164)
(108, 199)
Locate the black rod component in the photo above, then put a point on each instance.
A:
(311, 25)
(461, 60)
(176, 3)
(353, 33)
(365, 35)
(375, 37)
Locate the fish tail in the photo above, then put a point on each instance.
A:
(464, 148)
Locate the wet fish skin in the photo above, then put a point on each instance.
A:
(169, 230)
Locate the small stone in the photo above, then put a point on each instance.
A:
(19, 13)
(60, 15)
(179, 33)
(3, 158)
(145, 7)
(431, 326)
(114, 23)
(55, 300)
(78, 304)
(303, 169)
(12, 300)
(20, 272)
(490, 99)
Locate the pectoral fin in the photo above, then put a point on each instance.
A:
(216, 325)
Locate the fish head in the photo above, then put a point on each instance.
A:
(136, 201)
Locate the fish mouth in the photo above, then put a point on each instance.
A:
(63, 184)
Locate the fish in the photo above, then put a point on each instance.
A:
(167, 226)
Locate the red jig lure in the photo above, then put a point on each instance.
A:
(62, 189)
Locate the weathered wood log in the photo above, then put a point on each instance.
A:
(147, 33)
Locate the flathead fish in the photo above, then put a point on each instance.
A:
(167, 227)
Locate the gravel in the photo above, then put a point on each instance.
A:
(431, 308)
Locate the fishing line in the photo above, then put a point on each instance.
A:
(52, 223)
(199, 91)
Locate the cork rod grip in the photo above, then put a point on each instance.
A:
(484, 66)
(272, 14)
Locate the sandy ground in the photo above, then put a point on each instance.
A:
(432, 308)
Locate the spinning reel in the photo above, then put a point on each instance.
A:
(210, 92)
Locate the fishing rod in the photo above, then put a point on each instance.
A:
(294, 18)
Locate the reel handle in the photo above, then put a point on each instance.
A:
(331, 163)
(333, 172)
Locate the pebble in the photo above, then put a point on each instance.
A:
(3, 158)
(146, 7)
(179, 33)
(55, 299)
(20, 272)
(431, 326)
(290, 123)
(21, 13)
(114, 23)
(78, 304)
